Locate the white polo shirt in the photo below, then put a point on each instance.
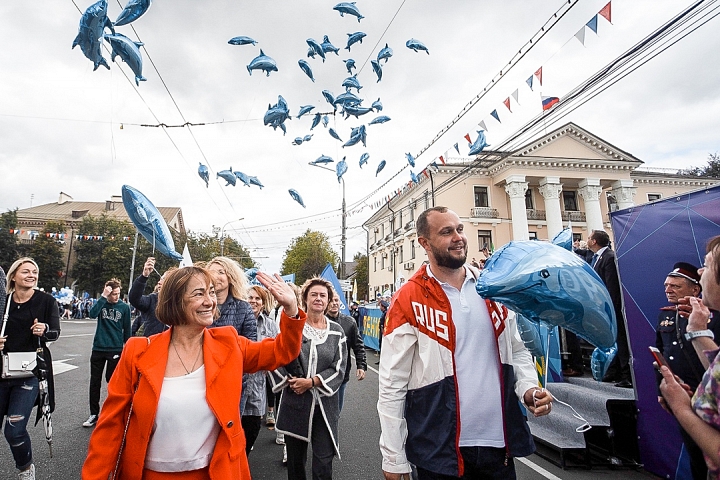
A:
(477, 366)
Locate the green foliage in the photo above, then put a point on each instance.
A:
(307, 256)
(9, 244)
(48, 254)
(711, 170)
(361, 275)
(204, 247)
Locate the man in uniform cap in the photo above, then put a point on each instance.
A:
(670, 338)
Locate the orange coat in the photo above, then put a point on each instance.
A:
(226, 355)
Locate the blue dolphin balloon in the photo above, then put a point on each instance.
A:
(296, 196)
(354, 139)
(564, 239)
(364, 159)
(341, 168)
(322, 159)
(204, 174)
(414, 177)
(329, 97)
(132, 11)
(600, 361)
(305, 67)
(385, 53)
(347, 98)
(255, 181)
(355, 110)
(334, 134)
(251, 273)
(307, 137)
(90, 33)
(228, 176)
(354, 38)
(149, 222)
(264, 63)
(305, 109)
(325, 121)
(352, 82)
(317, 48)
(349, 8)
(479, 144)
(311, 52)
(549, 284)
(356, 135)
(243, 178)
(242, 40)
(381, 165)
(530, 334)
(297, 141)
(350, 64)
(377, 105)
(277, 114)
(377, 69)
(410, 159)
(416, 45)
(379, 120)
(316, 121)
(129, 52)
(327, 46)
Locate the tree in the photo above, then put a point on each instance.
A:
(361, 275)
(204, 247)
(9, 244)
(307, 255)
(711, 170)
(47, 253)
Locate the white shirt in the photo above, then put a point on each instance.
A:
(477, 368)
(185, 429)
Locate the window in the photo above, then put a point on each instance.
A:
(481, 197)
(400, 222)
(652, 197)
(532, 235)
(529, 199)
(427, 200)
(400, 254)
(382, 230)
(382, 261)
(412, 249)
(374, 263)
(412, 211)
(484, 239)
(570, 201)
(392, 224)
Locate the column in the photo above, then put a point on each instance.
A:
(590, 191)
(516, 186)
(624, 191)
(550, 189)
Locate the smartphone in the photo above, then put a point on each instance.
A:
(659, 358)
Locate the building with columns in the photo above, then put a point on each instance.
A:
(566, 177)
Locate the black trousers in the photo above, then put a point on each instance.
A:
(481, 463)
(323, 452)
(98, 362)
(251, 427)
(698, 467)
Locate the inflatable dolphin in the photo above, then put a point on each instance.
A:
(90, 33)
(204, 174)
(149, 222)
(132, 11)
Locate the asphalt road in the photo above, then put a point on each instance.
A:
(359, 428)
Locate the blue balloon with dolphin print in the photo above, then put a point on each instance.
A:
(305, 109)
(385, 53)
(133, 10)
(341, 168)
(204, 174)
(264, 63)
(149, 222)
(349, 65)
(328, 47)
(242, 40)
(550, 285)
(228, 176)
(316, 47)
(479, 145)
(416, 45)
(305, 67)
(381, 165)
(129, 52)
(90, 32)
(350, 8)
(530, 335)
(354, 38)
(600, 361)
(296, 196)
(564, 239)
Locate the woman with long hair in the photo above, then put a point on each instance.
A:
(30, 320)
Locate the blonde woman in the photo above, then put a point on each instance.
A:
(231, 289)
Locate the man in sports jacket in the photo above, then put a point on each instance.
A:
(452, 369)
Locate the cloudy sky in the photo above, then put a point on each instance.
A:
(65, 127)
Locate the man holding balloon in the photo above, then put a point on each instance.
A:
(452, 370)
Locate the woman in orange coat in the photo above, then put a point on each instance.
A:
(180, 389)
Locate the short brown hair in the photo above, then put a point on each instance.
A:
(421, 224)
(170, 308)
(311, 282)
(601, 238)
(713, 246)
(113, 283)
(267, 299)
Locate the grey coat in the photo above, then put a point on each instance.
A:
(254, 399)
(326, 360)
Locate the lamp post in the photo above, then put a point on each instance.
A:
(222, 234)
(344, 218)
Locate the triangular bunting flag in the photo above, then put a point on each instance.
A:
(605, 12)
(506, 102)
(516, 96)
(580, 35)
(467, 137)
(593, 24)
(529, 81)
(538, 74)
(482, 125)
(442, 160)
(495, 115)
(456, 148)
(425, 172)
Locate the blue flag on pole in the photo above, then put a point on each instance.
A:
(329, 274)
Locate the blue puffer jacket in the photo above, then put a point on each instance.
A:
(238, 314)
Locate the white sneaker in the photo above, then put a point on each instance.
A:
(284, 456)
(280, 439)
(29, 474)
(270, 418)
(90, 422)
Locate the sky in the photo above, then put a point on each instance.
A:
(65, 127)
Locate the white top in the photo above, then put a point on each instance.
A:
(476, 366)
(185, 429)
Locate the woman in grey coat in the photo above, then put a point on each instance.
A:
(309, 409)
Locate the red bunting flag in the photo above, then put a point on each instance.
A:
(507, 103)
(538, 75)
(442, 159)
(606, 12)
(425, 172)
(467, 137)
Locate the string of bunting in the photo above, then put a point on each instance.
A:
(62, 236)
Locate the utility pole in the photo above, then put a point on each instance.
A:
(343, 236)
(132, 264)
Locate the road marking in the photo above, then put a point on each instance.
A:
(537, 468)
(79, 322)
(59, 366)
(371, 368)
(77, 335)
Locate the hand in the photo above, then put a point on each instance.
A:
(148, 267)
(106, 291)
(300, 385)
(360, 374)
(538, 401)
(676, 394)
(38, 328)
(664, 404)
(282, 292)
(396, 476)
(2, 342)
(700, 315)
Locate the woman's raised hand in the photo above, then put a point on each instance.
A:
(282, 292)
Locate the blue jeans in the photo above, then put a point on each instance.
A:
(341, 394)
(17, 398)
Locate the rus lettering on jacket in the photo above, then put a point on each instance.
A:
(433, 323)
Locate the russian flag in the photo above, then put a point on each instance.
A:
(549, 102)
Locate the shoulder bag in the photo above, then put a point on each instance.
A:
(16, 364)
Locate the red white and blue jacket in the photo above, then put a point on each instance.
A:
(418, 398)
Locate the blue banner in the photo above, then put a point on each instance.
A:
(371, 326)
(329, 275)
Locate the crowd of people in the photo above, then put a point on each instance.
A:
(210, 356)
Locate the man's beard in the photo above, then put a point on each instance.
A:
(444, 259)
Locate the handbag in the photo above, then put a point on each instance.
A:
(16, 364)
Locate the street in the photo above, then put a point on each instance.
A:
(359, 427)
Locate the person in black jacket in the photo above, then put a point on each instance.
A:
(353, 342)
(146, 303)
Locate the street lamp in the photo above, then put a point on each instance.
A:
(344, 218)
(222, 234)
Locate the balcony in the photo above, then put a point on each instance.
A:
(388, 237)
(573, 216)
(410, 225)
(535, 214)
(483, 212)
(397, 231)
